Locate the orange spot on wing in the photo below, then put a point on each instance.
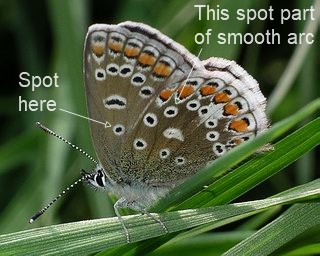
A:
(98, 50)
(131, 51)
(221, 97)
(146, 59)
(115, 46)
(237, 141)
(207, 90)
(185, 91)
(166, 94)
(162, 70)
(239, 125)
(231, 109)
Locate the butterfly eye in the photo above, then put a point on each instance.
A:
(99, 178)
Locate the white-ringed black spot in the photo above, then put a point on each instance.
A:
(146, 91)
(115, 102)
(212, 136)
(203, 110)
(138, 79)
(164, 153)
(125, 70)
(179, 160)
(219, 149)
(193, 105)
(139, 144)
(170, 111)
(118, 129)
(211, 123)
(112, 69)
(150, 120)
(100, 74)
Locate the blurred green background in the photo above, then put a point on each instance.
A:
(46, 37)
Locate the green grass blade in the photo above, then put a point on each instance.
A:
(94, 235)
(293, 222)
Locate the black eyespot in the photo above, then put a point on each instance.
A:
(139, 144)
(219, 149)
(115, 102)
(146, 91)
(179, 160)
(212, 135)
(138, 79)
(125, 71)
(100, 75)
(150, 120)
(113, 70)
(204, 111)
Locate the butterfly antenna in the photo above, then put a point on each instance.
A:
(47, 130)
(44, 209)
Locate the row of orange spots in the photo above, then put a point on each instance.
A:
(221, 97)
(147, 59)
(162, 70)
(207, 90)
(231, 109)
(98, 49)
(166, 94)
(239, 125)
(237, 141)
(185, 90)
(115, 46)
(131, 52)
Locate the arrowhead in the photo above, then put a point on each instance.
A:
(177, 100)
(107, 125)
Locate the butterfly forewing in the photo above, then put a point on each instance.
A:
(134, 76)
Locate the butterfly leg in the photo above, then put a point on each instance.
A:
(134, 205)
(122, 203)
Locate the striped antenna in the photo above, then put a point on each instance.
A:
(47, 130)
(85, 176)
(44, 209)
